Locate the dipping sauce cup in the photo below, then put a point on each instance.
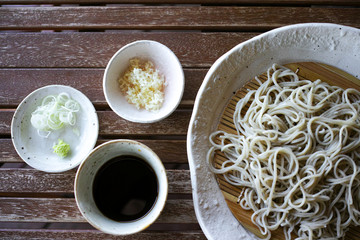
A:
(121, 187)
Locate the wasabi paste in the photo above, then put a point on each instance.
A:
(61, 149)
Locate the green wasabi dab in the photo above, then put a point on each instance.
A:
(61, 149)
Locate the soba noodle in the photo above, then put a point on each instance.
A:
(296, 156)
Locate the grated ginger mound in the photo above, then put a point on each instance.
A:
(143, 85)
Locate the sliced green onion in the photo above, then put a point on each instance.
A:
(63, 97)
(48, 99)
(54, 113)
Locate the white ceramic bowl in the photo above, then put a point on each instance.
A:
(84, 184)
(36, 150)
(164, 60)
(331, 44)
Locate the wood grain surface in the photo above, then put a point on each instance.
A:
(306, 70)
(27, 181)
(65, 210)
(170, 151)
(97, 235)
(112, 125)
(94, 49)
(212, 2)
(174, 17)
(86, 80)
(69, 42)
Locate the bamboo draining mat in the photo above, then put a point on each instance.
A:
(305, 70)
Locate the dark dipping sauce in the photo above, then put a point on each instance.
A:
(125, 188)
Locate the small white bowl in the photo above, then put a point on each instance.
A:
(164, 60)
(84, 184)
(37, 151)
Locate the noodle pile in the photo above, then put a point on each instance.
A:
(296, 156)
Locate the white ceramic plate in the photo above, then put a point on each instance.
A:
(332, 44)
(37, 151)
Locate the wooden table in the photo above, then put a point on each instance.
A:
(69, 42)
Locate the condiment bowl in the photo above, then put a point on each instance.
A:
(87, 172)
(164, 60)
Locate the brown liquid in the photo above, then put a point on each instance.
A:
(125, 188)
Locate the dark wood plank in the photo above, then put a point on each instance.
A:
(94, 49)
(30, 181)
(111, 125)
(18, 83)
(5, 121)
(26, 181)
(97, 235)
(174, 17)
(65, 210)
(169, 151)
(212, 2)
(8, 152)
